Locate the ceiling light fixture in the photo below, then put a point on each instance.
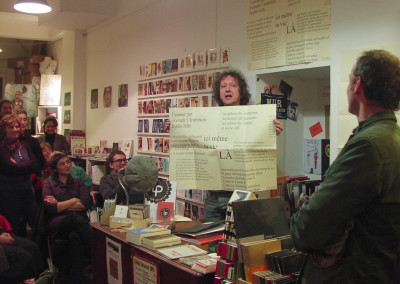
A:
(32, 6)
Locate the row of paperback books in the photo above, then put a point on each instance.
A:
(259, 231)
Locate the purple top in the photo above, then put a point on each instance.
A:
(23, 166)
(74, 188)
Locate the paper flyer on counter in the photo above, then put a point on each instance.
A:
(223, 148)
(114, 262)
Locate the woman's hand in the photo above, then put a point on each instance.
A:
(6, 239)
(12, 160)
(278, 127)
(50, 199)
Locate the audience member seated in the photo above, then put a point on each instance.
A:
(110, 186)
(5, 107)
(66, 200)
(58, 142)
(19, 258)
(76, 172)
(17, 162)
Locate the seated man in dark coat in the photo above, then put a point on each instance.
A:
(110, 186)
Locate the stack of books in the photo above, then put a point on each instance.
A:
(203, 233)
(160, 241)
(136, 236)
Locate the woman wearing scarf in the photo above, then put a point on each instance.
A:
(17, 162)
(58, 142)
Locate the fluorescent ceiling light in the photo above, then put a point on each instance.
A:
(32, 6)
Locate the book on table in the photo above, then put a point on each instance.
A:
(158, 241)
(179, 251)
(135, 236)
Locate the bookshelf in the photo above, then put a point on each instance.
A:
(187, 87)
(311, 91)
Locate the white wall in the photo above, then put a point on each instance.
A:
(357, 24)
(166, 29)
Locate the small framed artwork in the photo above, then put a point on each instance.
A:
(67, 99)
(94, 99)
(67, 116)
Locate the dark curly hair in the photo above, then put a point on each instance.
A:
(379, 71)
(243, 89)
(50, 118)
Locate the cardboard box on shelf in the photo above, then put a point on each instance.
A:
(36, 59)
(27, 77)
(27, 68)
(16, 62)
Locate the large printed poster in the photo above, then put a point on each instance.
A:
(287, 32)
(23, 97)
(223, 148)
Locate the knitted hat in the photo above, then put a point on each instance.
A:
(141, 174)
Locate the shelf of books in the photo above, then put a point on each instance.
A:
(256, 245)
(181, 82)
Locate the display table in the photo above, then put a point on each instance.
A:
(168, 271)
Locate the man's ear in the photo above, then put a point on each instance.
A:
(358, 86)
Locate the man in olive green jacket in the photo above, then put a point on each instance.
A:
(350, 228)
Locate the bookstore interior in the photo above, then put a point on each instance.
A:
(154, 129)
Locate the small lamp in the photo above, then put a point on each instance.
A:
(32, 6)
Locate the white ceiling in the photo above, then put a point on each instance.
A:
(80, 14)
(19, 30)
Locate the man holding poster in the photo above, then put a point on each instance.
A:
(226, 149)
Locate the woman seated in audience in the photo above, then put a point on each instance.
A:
(57, 142)
(66, 200)
(19, 258)
(17, 162)
(38, 180)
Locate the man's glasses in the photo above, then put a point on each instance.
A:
(120, 161)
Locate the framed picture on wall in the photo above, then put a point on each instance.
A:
(67, 99)
(67, 116)
(94, 99)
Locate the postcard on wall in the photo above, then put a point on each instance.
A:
(169, 65)
(195, 82)
(285, 89)
(213, 55)
(159, 68)
(114, 262)
(107, 97)
(202, 81)
(23, 97)
(94, 98)
(225, 54)
(67, 99)
(175, 63)
(123, 95)
(292, 110)
(279, 100)
(210, 81)
(189, 62)
(140, 90)
(181, 63)
(194, 102)
(50, 90)
(200, 59)
(140, 143)
(204, 101)
(67, 116)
